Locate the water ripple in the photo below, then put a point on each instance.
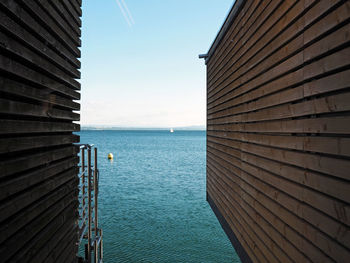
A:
(152, 198)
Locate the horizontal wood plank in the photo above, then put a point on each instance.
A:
(39, 68)
(42, 17)
(327, 145)
(57, 5)
(325, 125)
(19, 202)
(27, 21)
(9, 145)
(246, 190)
(20, 183)
(322, 241)
(30, 160)
(33, 77)
(29, 57)
(39, 95)
(278, 128)
(9, 26)
(34, 210)
(17, 108)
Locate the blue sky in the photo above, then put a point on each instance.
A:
(143, 70)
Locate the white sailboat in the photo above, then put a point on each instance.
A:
(171, 130)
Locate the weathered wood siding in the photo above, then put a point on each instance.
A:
(39, 68)
(278, 130)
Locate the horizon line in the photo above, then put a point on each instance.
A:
(111, 127)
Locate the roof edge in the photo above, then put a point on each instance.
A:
(237, 6)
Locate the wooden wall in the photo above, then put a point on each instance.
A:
(278, 130)
(39, 68)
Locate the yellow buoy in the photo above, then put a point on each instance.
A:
(110, 156)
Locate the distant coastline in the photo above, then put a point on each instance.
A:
(116, 128)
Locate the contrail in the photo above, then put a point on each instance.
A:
(128, 12)
(124, 14)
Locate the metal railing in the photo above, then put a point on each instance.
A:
(89, 232)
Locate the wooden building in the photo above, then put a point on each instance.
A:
(39, 68)
(278, 130)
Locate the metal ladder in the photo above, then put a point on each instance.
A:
(89, 232)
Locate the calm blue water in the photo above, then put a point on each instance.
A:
(152, 198)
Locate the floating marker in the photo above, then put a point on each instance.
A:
(110, 156)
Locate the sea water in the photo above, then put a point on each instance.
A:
(152, 203)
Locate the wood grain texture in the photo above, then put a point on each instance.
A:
(19, 12)
(39, 93)
(278, 130)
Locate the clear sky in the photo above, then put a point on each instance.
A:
(140, 65)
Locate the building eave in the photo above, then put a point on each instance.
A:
(237, 6)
